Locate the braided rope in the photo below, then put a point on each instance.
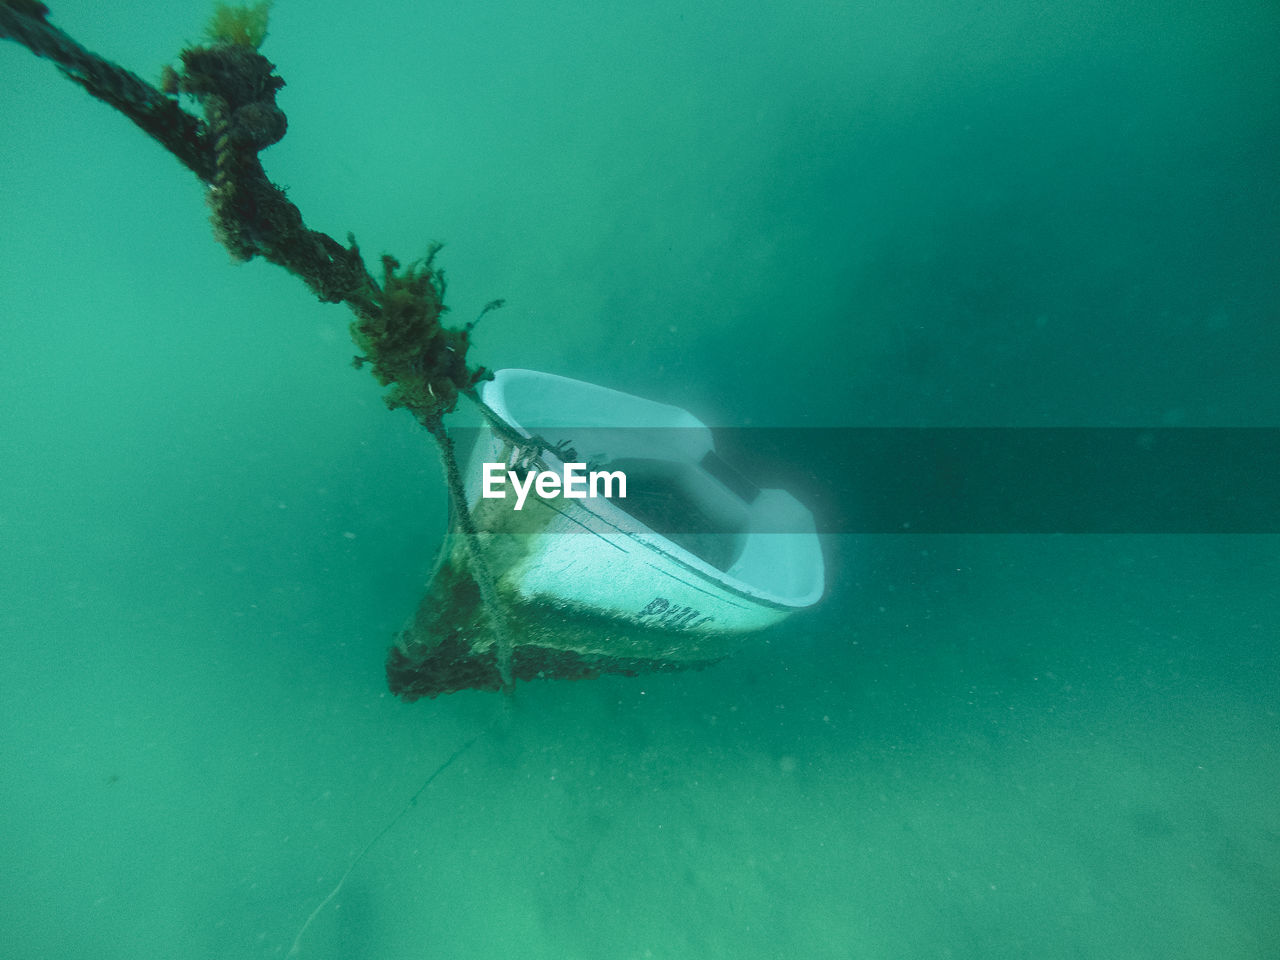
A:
(179, 132)
(251, 215)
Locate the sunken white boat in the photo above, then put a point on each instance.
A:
(672, 575)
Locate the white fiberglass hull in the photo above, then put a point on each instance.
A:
(673, 574)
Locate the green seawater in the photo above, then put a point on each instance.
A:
(804, 214)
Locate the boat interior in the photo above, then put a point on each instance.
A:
(677, 485)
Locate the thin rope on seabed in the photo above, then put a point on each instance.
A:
(412, 802)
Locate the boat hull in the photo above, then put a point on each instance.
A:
(448, 646)
(585, 587)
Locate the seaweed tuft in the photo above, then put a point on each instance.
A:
(411, 351)
(239, 25)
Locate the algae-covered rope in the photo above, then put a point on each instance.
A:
(480, 572)
(397, 327)
(158, 115)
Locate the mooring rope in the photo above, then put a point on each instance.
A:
(489, 599)
(158, 115)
